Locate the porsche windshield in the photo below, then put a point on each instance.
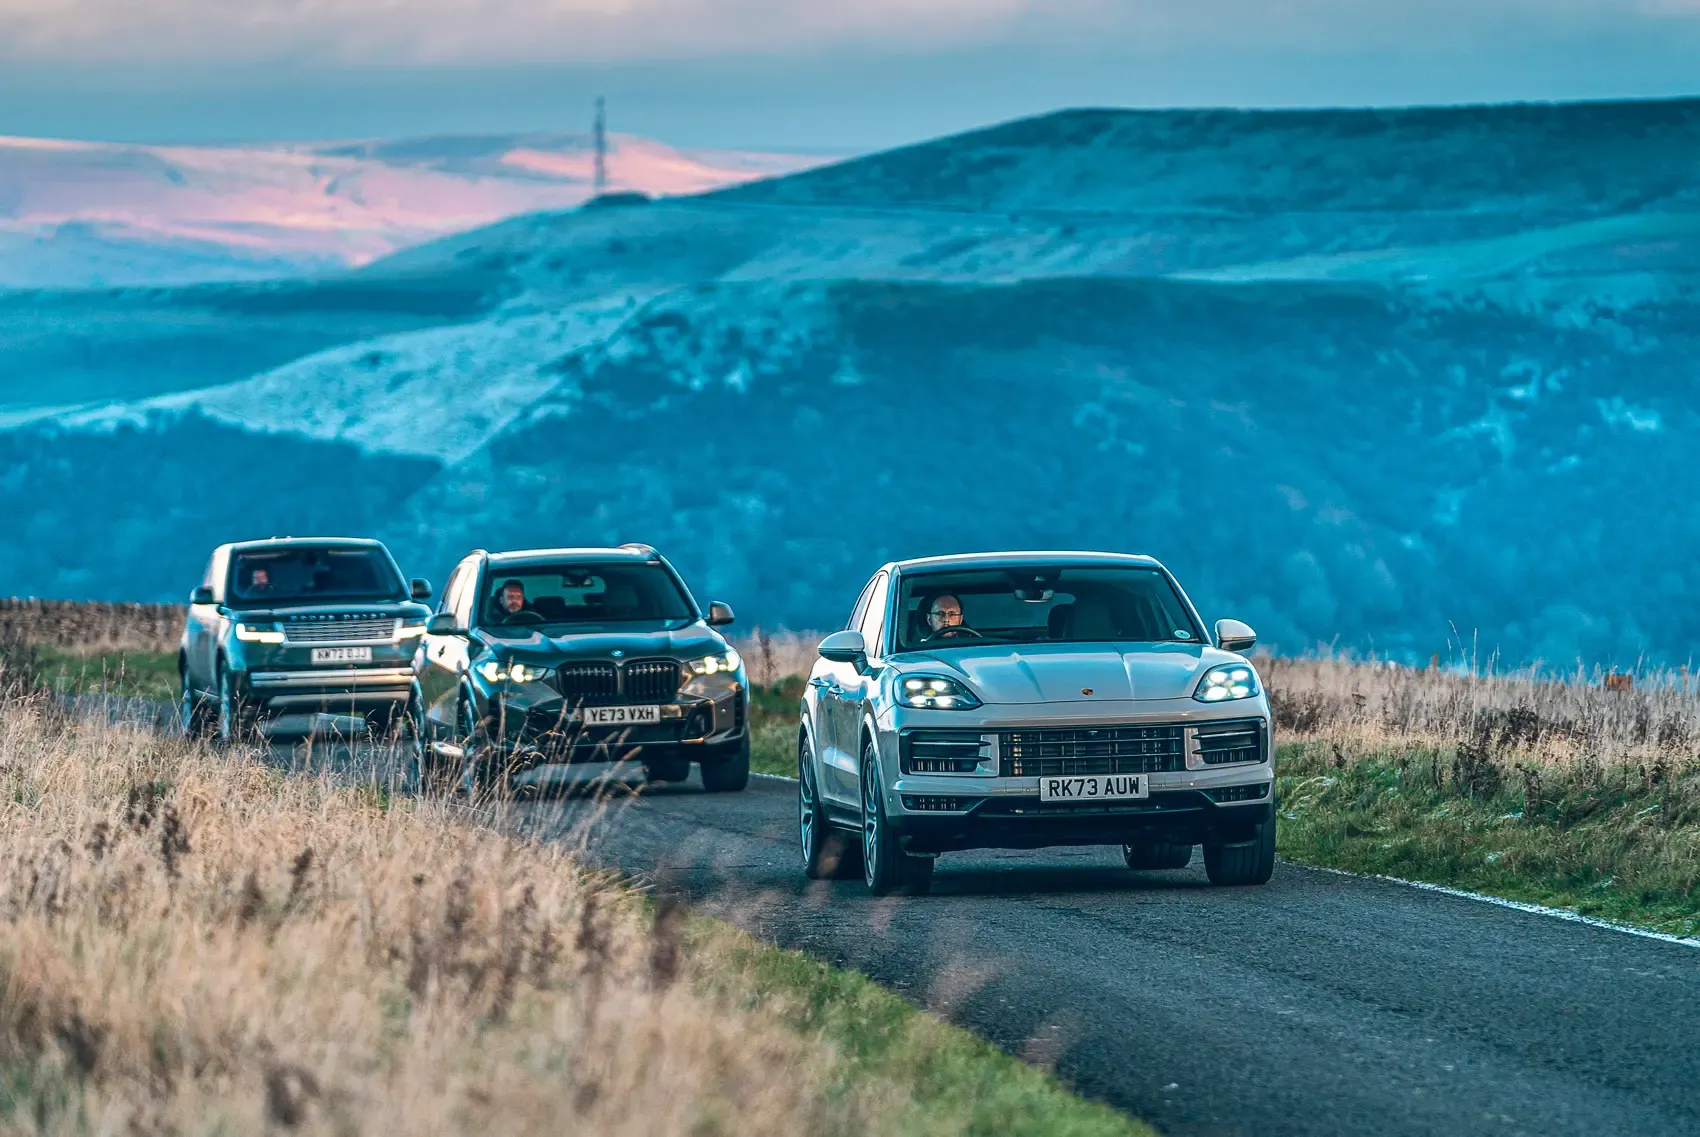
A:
(1063, 604)
(524, 598)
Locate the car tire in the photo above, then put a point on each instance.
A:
(829, 853)
(1250, 862)
(1157, 855)
(428, 775)
(728, 771)
(669, 768)
(886, 868)
(235, 723)
(194, 710)
(485, 774)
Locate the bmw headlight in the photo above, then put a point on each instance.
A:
(1229, 681)
(723, 663)
(934, 693)
(501, 671)
(259, 633)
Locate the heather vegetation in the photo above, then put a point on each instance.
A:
(197, 942)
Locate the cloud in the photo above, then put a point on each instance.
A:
(407, 32)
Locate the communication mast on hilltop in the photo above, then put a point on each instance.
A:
(601, 135)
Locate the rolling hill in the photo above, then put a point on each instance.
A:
(1388, 380)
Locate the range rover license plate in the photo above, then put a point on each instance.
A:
(620, 716)
(1099, 787)
(342, 655)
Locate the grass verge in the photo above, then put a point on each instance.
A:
(1620, 844)
(197, 943)
(773, 726)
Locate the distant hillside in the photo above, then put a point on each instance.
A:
(1378, 379)
(91, 214)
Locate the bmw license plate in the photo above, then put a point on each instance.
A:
(342, 655)
(620, 716)
(1099, 787)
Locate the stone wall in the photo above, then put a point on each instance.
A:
(92, 625)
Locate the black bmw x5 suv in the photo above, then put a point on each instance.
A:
(577, 655)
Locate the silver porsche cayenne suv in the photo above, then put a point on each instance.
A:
(1023, 700)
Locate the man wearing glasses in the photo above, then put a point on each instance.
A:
(944, 619)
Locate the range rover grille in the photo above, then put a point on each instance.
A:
(1092, 750)
(356, 629)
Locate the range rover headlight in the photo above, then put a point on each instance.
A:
(724, 663)
(259, 633)
(1226, 682)
(934, 693)
(503, 671)
(410, 629)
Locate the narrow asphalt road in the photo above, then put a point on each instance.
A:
(1319, 1004)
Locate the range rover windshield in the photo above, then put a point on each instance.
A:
(1063, 604)
(554, 598)
(260, 578)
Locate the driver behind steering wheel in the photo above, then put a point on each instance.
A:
(511, 601)
(944, 619)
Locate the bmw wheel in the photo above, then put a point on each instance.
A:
(885, 866)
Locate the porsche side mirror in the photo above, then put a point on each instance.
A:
(201, 595)
(719, 615)
(845, 647)
(1232, 635)
(419, 588)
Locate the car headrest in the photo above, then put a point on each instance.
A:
(1092, 620)
(1057, 621)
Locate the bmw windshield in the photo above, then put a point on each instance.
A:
(554, 599)
(1061, 604)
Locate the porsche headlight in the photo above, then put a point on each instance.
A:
(1229, 681)
(502, 671)
(259, 633)
(723, 663)
(934, 693)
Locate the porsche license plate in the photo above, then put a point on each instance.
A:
(620, 716)
(342, 655)
(1097, 787)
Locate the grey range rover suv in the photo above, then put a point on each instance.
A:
(578, 655)
(299, 626)
(1020, 700)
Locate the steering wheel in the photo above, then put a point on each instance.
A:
(953, 630)
(523, 616)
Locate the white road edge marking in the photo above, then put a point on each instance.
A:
(1461, 894)
(1514, 905)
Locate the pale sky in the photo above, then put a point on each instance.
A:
(844, 74)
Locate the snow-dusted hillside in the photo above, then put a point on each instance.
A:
(78, 214)
(1372, 378)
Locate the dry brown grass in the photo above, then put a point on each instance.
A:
(196, 944)
(1550, 721)
(773, 656)
(91, 626)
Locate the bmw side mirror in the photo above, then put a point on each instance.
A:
(443, 624)
(1232, 635)
(845, 647)
(201, 595)
(719, 615)
(419, 588)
